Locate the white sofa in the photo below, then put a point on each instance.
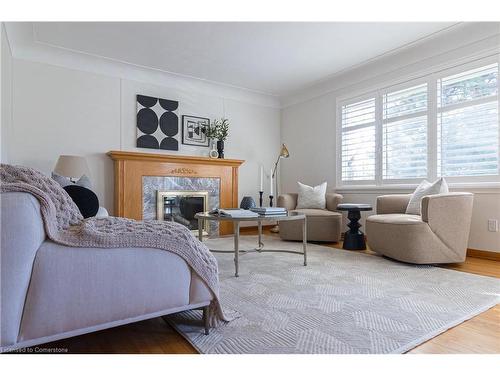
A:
(50, 292)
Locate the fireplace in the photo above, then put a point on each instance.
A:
(202, 192)
(181, 206)
(139, 176)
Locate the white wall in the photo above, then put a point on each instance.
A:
(307, 132)
(61, 111)
(309, 119)
(6, 93)
(57, 110)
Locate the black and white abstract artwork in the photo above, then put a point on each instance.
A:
(194, 131)
(157, 123)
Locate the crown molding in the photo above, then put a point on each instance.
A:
(24, 46)
(460, 42)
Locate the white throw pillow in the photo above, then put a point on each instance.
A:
(425, 188)
(311, 197)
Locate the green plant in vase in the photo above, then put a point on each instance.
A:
(219, 131)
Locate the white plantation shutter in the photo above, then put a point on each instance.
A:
(468, 128)
(358, 141)
(446, 124)
(404, 133)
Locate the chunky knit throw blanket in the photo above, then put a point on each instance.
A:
(65, 225)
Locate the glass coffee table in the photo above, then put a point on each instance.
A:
(202, 216)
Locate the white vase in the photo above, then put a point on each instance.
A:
(214, 154)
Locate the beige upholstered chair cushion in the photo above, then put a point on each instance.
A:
(397, 219)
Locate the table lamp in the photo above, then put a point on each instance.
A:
(72, 166)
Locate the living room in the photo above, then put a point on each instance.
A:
(183, 187)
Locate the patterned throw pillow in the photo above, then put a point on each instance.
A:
(425, 188)
(65, 181)
(311, 197)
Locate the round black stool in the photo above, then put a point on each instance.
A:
(354, 239)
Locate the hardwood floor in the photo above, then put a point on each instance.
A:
(480, 334)
(152, 336)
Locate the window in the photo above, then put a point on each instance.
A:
(468, 123)
(444, 125)
(404, 134)
(358, 140)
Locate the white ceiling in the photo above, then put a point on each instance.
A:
(273, 58)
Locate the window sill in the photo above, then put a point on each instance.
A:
(479, 187)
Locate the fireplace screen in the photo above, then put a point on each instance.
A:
(181, 206)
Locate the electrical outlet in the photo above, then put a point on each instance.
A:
(493, 225)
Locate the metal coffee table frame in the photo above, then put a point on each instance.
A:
(202, 216)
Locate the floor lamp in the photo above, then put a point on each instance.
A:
(283, 154)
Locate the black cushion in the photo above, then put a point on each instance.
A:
(84, 198)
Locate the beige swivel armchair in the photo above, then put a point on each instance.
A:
(439, 235)
(322, 225)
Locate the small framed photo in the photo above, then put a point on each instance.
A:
(194, 131)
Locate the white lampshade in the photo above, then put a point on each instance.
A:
(72, 166)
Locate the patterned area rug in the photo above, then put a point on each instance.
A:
(342, 302)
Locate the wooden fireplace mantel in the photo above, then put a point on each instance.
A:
(130, 167)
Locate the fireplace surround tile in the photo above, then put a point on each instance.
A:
(152, 184)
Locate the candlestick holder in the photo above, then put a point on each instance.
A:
(261, 193)
(271, 201)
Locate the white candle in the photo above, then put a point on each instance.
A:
(261, 178)
(271, 179)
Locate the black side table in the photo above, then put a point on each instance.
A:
(354, 239)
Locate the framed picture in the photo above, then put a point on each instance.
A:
(194, 131)
(157, 123)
